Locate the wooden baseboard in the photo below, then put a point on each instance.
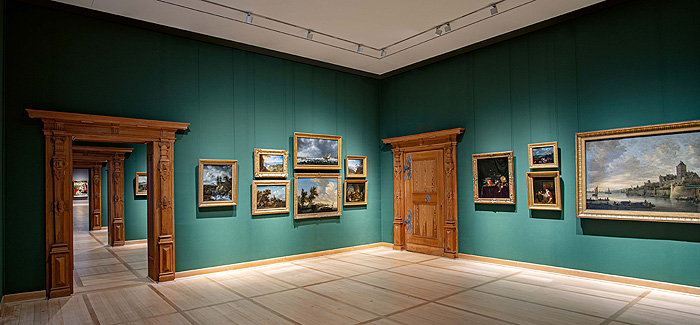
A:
(137, 241)
(243, 265)
(22, 296)
(587, 274)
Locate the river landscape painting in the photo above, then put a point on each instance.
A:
(646, 175)
(316, 195)
(270, 197)
(218, 181)
(316, 151)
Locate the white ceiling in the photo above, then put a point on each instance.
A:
(372, 23)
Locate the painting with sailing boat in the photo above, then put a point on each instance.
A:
(316, 151)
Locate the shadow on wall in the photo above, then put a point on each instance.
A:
(641, 229)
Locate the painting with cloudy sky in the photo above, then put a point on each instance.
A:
(312, 151)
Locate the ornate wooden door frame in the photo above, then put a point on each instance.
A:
(95, 188)
(60, 130)
(114, 157)
(447, 141)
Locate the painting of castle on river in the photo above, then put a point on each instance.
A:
(657, 173)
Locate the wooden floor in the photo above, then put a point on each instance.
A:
(371, 286)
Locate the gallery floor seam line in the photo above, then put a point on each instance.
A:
(572, 291)
(172, 304)
(91, 310)
(398, 259)
(625, 308)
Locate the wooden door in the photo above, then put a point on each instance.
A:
(424, 195)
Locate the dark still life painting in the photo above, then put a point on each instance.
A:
(218, 181)
(316, 195)
(355, 192)
(316, 151)
(493, 178)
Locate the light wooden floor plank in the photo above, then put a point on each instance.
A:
(309, 308)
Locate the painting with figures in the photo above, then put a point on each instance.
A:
(80, 188)
(355, 192)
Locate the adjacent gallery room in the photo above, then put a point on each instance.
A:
(335, 162)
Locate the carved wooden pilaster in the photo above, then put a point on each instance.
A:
(161, 254)
(398, 200)
(450, 200)
(115, 195)
(59, 218)
(96, 198)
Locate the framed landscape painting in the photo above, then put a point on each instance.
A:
(270, 163)
(317, 151)
(270, 197)
(317, 195)
(543, 155)
(218, 182)
(355, 192)
(355, 166)
(647, 173)
(493, 178)
(543, 191)
(141, 187)
(80, 188)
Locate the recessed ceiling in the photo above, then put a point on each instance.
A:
(405, 29)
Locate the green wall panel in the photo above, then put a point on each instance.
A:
(235, 101)
(2, 145)
(634, 64)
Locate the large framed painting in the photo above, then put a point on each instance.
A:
(141, 186)
(493, 178)
(543, 191)
(270, 163)
(355, 166)
(317, 195)
(317, 151)
(270, 197)
(355, 192)
(218, 182)
(80, 188)
(647, 173)
(543, 155)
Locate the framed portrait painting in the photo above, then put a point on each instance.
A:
(543, 155)
(317, 195)
(355, 166)
(493, 178)
(80, 188)
(141, 186)
(218, 182)
(543, 191)
(317, 151)
(269, 163)
(355, 192)
(646, 173)
(270, 196)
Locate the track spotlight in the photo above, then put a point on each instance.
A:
(248, 18)
(359, 48)
(438, 32)
(494, 10)
(309, 36)
(448, 28)
(383, 52)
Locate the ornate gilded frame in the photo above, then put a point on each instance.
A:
(234, 182)
(338, 138)
(531, 194)
(256, 164)
(259, 211)
(475, 178)
(345, 191)
(136, 185)
(80, 181)
(347, 166)
(339, 199)
(641, 131)
(531, 146)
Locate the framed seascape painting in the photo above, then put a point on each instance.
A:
(355, 166)
(647, 173)
(316, 151)
(270, 163)
(218, 182)
(141, 184)
(80, 188)
(543, 191)
(270, 196)
(493, 178)
(317, 195)
(543, 155)
(355, 192)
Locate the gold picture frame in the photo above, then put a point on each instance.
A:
(266, 197)
(653, 184)
(80, 188)
(543, 155)
(305, 208)
(141, 188)
(218, 191)
(267, 163)
(358, 196)
(360, 171)
(543, 191)
(323, 159)
(492, 177)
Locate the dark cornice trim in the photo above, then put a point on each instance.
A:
(295, 58)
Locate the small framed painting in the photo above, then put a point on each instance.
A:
(218, 182)
(270, 197)
(355, 192)
(141, 187)
(317, 151)
(80, 188)
(270, 163)
(543, 155)
(493, 178)
(317, 195)
(543, 191)
(355, 166)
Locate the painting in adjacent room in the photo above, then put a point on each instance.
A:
(141, 184)
(80, 188)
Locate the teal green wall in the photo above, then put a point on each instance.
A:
(2, 146)
(634, 64)
(103, 197)
(235, 101)
(135, 209)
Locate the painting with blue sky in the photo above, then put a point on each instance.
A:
(316, 194)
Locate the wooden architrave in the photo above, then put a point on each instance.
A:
(445, 140)
(94, 165)
(60, 129)
(114, 157)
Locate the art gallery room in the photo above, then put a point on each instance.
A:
(350, 162)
